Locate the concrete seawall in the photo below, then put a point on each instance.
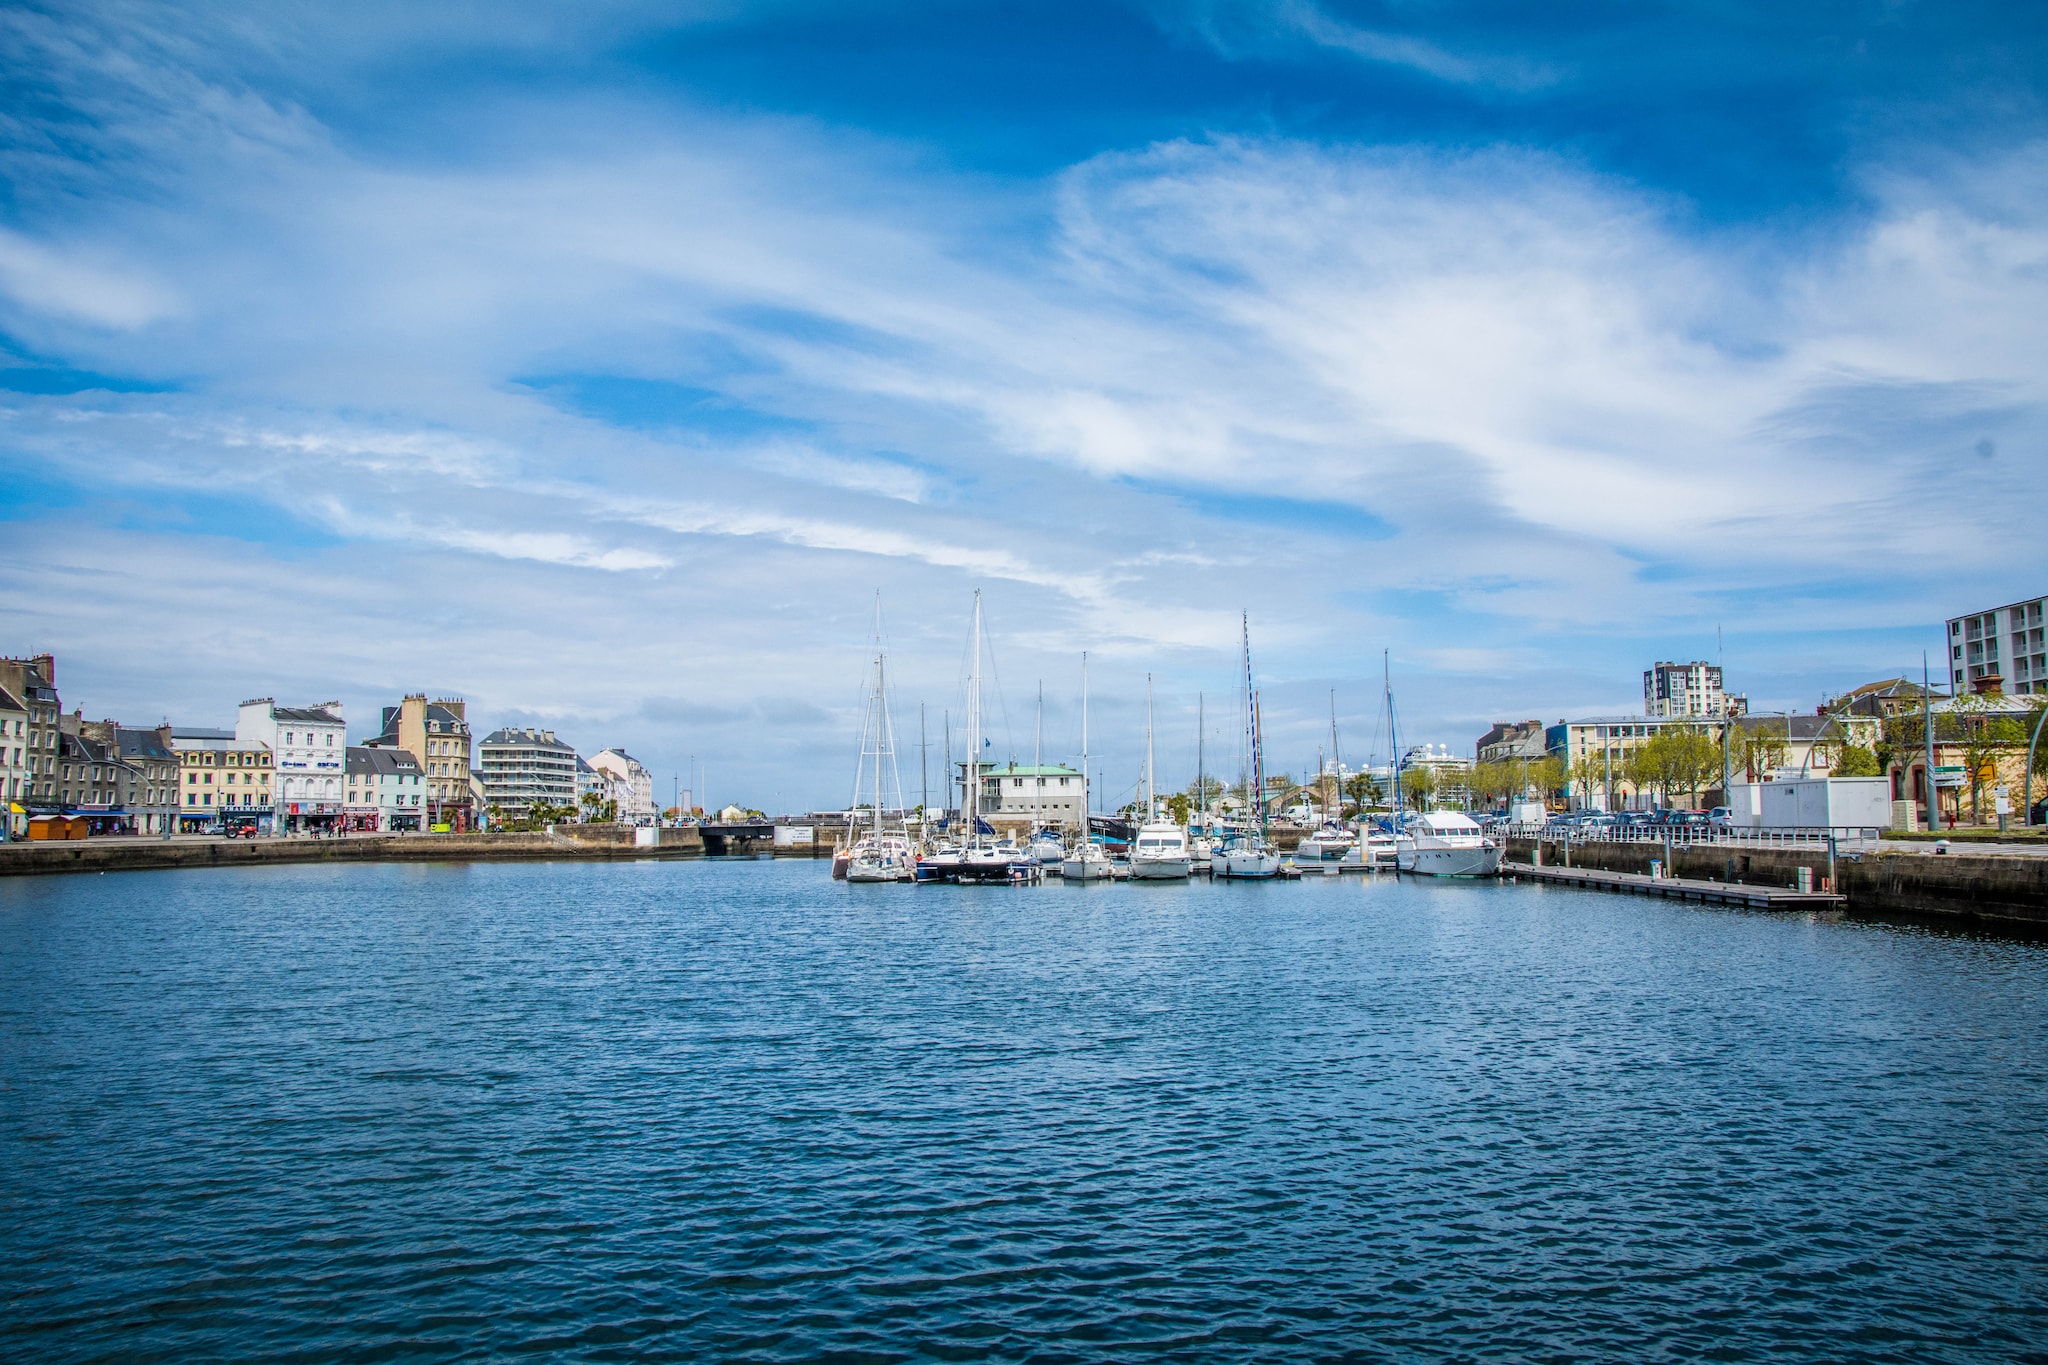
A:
(141, 854)
(1987, 888)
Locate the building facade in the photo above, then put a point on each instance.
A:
(14, 778)
(92, 781)
(222, 780)
(309, 756)
(632, 786)
(1511, 741)
(525, 767)
(386, 793)
(436, 733)
(153, 794)
(33, 683)
(1689, 689)
(2001, 650)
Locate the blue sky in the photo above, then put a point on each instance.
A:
(602, 366)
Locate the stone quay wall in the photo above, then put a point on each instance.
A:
(141, 853)
(2004, 890)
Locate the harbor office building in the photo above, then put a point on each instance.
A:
(1019, 793)
(220, 779)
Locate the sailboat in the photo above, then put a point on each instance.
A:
(977, 860)
(1086, 862)
(881, 855)
(1045, 848)
(1247, 853)
(1160, 852)
(1332, 840)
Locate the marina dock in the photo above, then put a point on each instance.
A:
(1678, 888)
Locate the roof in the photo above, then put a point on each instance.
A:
(436, 711)
(528, 737)
(140, 743)
(1027, 770)
(362, 759)
(305, 715)
(191, 732)
(9, 703)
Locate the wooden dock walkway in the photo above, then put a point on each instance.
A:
(1679, 888)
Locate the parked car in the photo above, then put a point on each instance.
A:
(1721, 817)
(240, 829)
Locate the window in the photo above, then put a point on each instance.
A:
(288, 737)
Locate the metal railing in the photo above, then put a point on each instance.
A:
(1837, 837)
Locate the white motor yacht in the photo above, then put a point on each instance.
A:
(1445, 843)
(1046, 847)
(1160, 852)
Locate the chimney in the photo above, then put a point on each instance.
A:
(1990, 685)
(46, 664)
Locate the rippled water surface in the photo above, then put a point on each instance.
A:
(738, 1111)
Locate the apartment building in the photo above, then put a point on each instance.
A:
(1511, 741)
(14, 779)
(1688, 689)
(2000, 650)
(151, 796)
(524, 767)
(631, 785)
(33, 682)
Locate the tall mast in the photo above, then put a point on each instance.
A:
(1087, 801)
(1201, 783)
(881, 709)
(924, 773)
(1244, 734)
(1336, 764)
(1393, 741)
(973, 775)
(1151, 790)
(1037, 764)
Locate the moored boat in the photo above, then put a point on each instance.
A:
(1445, 843)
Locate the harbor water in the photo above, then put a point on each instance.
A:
(693, 1111)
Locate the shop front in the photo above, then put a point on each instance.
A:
(313, 817)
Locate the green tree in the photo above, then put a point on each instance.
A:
(1854, 760)
(1760, 748)
(1418, 785)
(1178, 805)
(1363, 790)
(1988, 731)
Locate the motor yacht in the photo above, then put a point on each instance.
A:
(1327, 844)
(1445, 843)
(1160, 853)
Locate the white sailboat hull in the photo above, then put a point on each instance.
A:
(1249, 864)
(1087, 870)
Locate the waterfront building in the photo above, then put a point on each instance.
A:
(436, 733)
(221, 778)
(14, 770)
(92, 781)
(524, 767)
(152, 797)
(386, 793)
(1689, 689)
(309, 752)
(33, 682)
(632, 786)
(592, 790)
(1511, 741)
(1022, 792)
(2000, 650)
(1960, 789)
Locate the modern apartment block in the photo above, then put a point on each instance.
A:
(525, 767)
(2001, 650)
(1692, 689)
